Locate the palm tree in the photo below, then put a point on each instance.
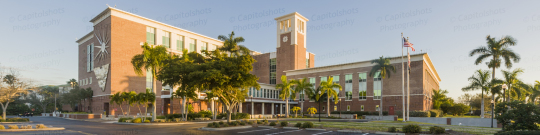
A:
(146, 97)
(328, 88)
(185, 95)
(286, 92)
(303, 86)
(496, 49)
(535, 92)
(383, 66)
(117, 98)
(439, 97)
(151, 60)
(130, 98)
(479, 81)
(515, 86)
(230, 44)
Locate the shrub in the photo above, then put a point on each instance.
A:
(38, 126)
(233, 123)
(215, 123)
(17, 119)
(436, 113)
(26, 127)
(392, 129)
(225, 125)
(411, 128)
(284, 123)
(221, 123)
(242, 123)
(419, 114)
(298, 124)
(210, 125)
(161, 117)
(272, 123)
(2, 127)
(124, 119)
(13, 127)
(307, 125)
(204, 114)
(517, 115)
(265, 121)
(436, 130)
(459, 109)
(137, 120)
(250, 122)
(259, 122)
(146, 121)
(518, 133)
(216, 126)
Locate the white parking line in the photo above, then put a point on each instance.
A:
(284, 132)
(365, 133)
(322, 133)
(255, 131)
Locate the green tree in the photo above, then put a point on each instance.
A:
(384, 68)
(479, 81)
(459, 109)
(144, 98)
(497, 50)
(439, 97)
(295, 110)
(303, 86)
(185, 95)
(130, 98)
(117, 98)
(516, 88)
(328, 87)
(535, 92)
(11, 87)
(223, 72)
(517, 115)
(151, 60)
(286, 92)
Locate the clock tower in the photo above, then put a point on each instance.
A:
(291, 51)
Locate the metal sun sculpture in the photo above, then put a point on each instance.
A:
(103, 41)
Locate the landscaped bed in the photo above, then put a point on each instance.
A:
(257, 123)
(21, 128)
(16, 119)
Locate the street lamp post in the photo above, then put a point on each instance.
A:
(319, 106)
(504, 87)
(492, 106)
(251, 96)
(339, 100)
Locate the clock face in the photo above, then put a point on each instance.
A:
(285, 38)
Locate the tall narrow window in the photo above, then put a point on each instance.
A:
(150, 35)
(180, 43)
(362, 108)
(377, 85)
(90, 57)
(336, 81)
(323, 79)
(149, 78)
(362, 86)
(348, 87)
(307, 63)
(166, 39)
(193, 45)
(377, 108)
(273, 71)
(301, 96)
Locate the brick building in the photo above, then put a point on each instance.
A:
(105, 66)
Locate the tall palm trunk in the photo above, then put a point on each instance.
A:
(139, 106)
(154, 91)
(380, 107)
(122, 109)
(328, 105)
(287, 108)
(184, 115)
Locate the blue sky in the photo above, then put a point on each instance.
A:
(39, 36)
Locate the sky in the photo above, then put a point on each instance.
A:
(38, 37)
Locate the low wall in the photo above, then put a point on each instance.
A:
(84, 116)
(377, 117)
(477, 122)
(433, 120)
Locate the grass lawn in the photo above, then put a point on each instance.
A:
(374, 126)
(464, 116)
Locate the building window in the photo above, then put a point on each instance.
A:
(323, 108)
(301, 96)
(377, 108)
(348, 108)
(273, 71)
(362, 108)
(204, 46)
(348, 87)
(336, 81)
(167, 39)
(307, 63)
(90, 57)
(180, 43)
(193, 45)
(377, 85)
(150, 35)
(324, 79)
(362, 86)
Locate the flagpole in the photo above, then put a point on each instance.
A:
(408, 88)
(402, 78)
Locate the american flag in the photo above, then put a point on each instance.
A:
(406, 43)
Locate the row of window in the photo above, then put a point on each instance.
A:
(362, 85)
(349, 108)
(85, 81)
(263, 93)
(180, 41)
(273, 71)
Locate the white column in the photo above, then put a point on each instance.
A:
(252, 106)
(240, 104)
(280, 109)
(302, 107)
(272, 109)
(263, 108)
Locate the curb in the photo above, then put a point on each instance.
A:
(25, 130)
(316, 129)
(125, 123)
(15, 122)
(350, 131)
(290, 128)
(386, 133)
(220, 129)
(266, 126)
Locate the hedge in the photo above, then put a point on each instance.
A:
(518, 132)
(234, 116)
(15, 120)
(359, 113)
(436, 113)
(419, 114)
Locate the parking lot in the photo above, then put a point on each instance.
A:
(276, 131)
